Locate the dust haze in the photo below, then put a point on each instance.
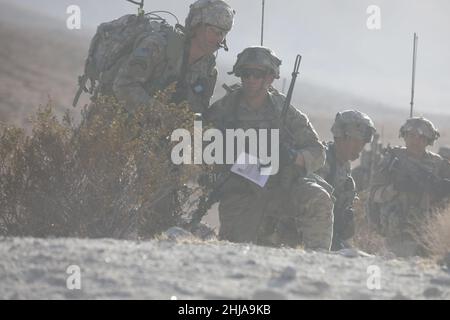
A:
(345, 65)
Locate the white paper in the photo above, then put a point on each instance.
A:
(250, 169)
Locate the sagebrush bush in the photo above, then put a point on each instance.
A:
(98, 179)
(435, 233)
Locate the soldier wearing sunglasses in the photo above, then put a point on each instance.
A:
(247, 211)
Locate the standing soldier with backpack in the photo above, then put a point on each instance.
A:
(134, 56)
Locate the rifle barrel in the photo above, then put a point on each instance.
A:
(298, 60)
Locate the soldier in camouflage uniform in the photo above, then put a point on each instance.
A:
(165, 56)
(248, 212)
(408, 185)
(352, 130)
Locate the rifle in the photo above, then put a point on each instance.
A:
(81, 87)
(283, 128)
(411, 177)
(287, 102)
(206, 201)
(219, 180)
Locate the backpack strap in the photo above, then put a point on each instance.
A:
(175, 66)
(175, 48)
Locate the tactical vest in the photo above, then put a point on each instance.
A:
(288, 171)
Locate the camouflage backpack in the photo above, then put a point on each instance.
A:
(114, 41)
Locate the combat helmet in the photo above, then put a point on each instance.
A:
(214, 12)
(257, 56)
(353, 123)
(422, 126)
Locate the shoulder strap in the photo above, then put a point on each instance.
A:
(173, 68)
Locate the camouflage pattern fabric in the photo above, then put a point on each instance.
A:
(260, 56)
(353, 123)
(422, 126)
(249, 213)
(214, 12)
(147, 70)
(398, 214)
(339, 176)
(157, 60)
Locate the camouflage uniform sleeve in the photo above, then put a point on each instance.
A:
(306, 140)
(137, 70)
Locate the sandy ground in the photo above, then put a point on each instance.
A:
(186, 269)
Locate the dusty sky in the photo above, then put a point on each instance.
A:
(339, 51)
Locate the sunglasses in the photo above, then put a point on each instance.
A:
(255, 73)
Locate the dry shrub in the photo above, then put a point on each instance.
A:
(99, 179)
(33, 174)
(435, 234)
(366, 238)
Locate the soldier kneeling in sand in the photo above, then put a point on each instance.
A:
(249, 212)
